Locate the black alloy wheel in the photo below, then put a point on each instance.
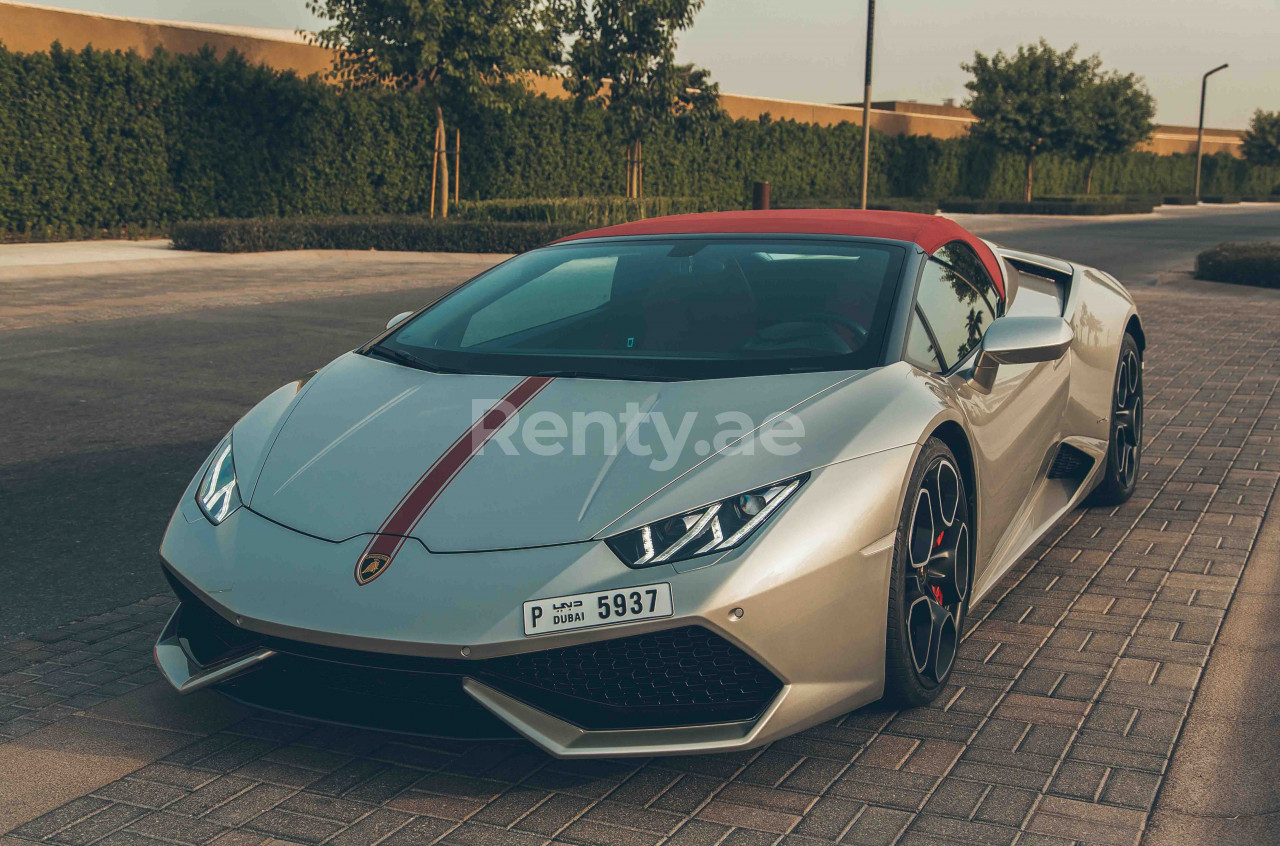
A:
(1127, 442)
(1124, 453)
(933, 573)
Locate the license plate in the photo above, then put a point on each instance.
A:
(601, 608)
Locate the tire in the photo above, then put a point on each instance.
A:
(1124, 448)
(932, 561)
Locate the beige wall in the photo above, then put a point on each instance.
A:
(887, 120)
(896, 117)
(30, 28)
(1168, 140)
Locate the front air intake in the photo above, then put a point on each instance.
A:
(685, 676)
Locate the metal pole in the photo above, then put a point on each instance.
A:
(866, 103)
(760, 196)
(1204, 83)
(435, 168)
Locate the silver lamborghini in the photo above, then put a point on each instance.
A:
(683, 485)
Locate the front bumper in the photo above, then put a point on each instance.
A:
(663, 679)
(435, 646)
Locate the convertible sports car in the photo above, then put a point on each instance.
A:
(682, 485)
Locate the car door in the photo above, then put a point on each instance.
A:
(1011, 427)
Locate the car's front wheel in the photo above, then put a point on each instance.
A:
(932, 576)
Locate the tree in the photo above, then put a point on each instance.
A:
(1028, 102)
(464, 53)
(1262, 140)
(1117, 113)
(623, 56)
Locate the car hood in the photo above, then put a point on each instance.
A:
(365, 432)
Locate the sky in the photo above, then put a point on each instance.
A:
(812, 50)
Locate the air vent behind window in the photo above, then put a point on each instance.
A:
(1070, 463)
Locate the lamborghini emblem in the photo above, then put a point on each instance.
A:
(370, 567)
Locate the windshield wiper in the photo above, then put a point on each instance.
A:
(407, 359)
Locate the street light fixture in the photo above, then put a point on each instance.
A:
(1204, 83)
(866, 102)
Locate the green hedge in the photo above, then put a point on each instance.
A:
(366, 233)
(97, 138)
(1050, 207)
(920, 205)
(78, 232)
(1244, 264)
(1095, 198)
(583, 211)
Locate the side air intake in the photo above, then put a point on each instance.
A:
(1070, 463)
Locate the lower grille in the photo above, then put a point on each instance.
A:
(678, 677)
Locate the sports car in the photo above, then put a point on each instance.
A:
(682, 485)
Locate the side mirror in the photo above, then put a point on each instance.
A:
(1020, 340)
(399, 318)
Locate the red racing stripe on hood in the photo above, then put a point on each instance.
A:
(394, 531)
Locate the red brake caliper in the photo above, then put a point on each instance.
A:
(934, 589)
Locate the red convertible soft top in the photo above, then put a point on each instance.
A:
(927, 231)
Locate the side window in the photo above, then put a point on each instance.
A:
(574, 287)
(954, 309)
(961, 258)
(920, 350)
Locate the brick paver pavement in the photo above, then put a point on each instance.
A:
(1072, 686)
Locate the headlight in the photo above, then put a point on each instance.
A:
(713, 528)
(218, 494)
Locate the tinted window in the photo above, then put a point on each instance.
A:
(961, 258)
(955, 309)
(920, 349)
(666, 309)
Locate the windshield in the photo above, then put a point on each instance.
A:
(676, 308)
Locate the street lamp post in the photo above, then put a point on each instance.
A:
(866, 103)
(1204, 83)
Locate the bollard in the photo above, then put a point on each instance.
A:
(760, 196)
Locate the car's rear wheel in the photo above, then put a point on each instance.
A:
(932, 576)
(1124, 454)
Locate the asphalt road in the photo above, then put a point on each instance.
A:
(104, 421)
(1137, 249)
